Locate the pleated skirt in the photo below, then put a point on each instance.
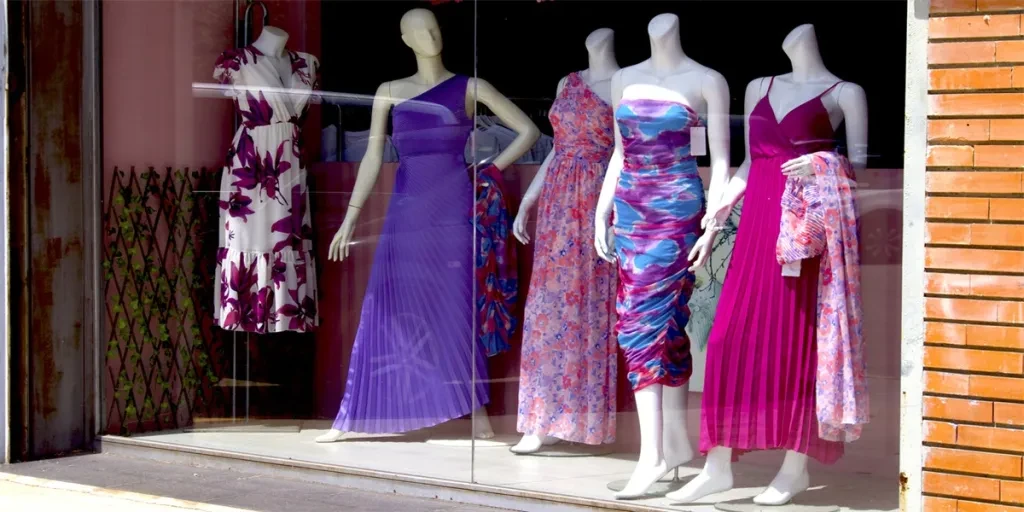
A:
(759, 385)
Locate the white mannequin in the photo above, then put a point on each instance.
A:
(845, 102)
(598, 75)
(601, 66)
(271, 43)
(672, 76)
(422, 34)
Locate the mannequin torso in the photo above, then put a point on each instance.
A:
(271, 43)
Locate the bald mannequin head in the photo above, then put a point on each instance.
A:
(421, 33)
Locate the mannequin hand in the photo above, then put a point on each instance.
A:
(522, 218)
(604, 241)
(716, 217)
(342, 240)
(799, 166)
(701, 251)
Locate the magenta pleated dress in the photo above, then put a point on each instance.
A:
(759, 385)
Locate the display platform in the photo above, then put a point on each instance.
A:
(426, 454)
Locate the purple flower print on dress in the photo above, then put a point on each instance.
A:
(301, 312)
(265, 307)
(292, 225)
(238, 205)
(279, 272)
(300, 68)
(258, 112)
(273, 167)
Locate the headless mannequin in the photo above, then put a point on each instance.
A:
(669, 75)
(601, 66)
(846, 102)
(271, 43)
(422, 34)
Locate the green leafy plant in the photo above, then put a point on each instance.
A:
(158, 272)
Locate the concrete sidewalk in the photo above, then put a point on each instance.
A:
(108, 483)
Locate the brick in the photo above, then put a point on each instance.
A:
(946, 383)
(950, 156)
(999, 156)
(958, 409)
(955, 27)
(998, 286)
(974, 182)
(1010, 312)
(990, 438)
(947, 284)
(1002, 388)
(1009, 414)
(1017, 77)
(933, 504)
(939, 432)
(1011, 492)
(962, 53)
(945, 334)
(967, 461)
(960, 485)
(995, 336)
(1009, 51)
(937, 233)
(1007, 129)
(997, 234)
(988, 361)
(946, 6)
(970, 78)
(980, 104)
(988, 260)
(960, 309)
(967, 130)
(971, 506)
(1007, 209)
(999, 5)
(961, 208)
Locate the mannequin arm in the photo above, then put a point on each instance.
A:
(716, 94)
(737, 184)
(527, 133)
(606, 200)
(369, 166)
(533, 192)
(854, 103)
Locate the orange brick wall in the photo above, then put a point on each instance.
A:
(974, 258)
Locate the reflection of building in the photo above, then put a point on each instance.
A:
(945, 336)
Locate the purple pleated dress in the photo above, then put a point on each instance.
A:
(413, 359)
(759, 385)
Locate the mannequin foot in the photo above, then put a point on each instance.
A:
(482, 424)
(643, 477)
(332, 436)
(704, 484)
(532, 444)
(783, 488)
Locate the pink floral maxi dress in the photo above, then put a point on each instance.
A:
(266, 278)
(568, 366)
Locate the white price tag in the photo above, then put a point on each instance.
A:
(791, 269)
(698, 141)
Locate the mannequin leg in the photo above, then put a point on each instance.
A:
(651, 465)
(331, 436)
(531, 443)
(714, 478)
(482, 424)
(677, 447)
(791, 480)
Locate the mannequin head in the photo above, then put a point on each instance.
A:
(271, 41)
(600, 39)
(662, 25)
(800, 39)
(421, 33)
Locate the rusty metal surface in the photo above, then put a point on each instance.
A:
(50, 216)
(4, 377)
